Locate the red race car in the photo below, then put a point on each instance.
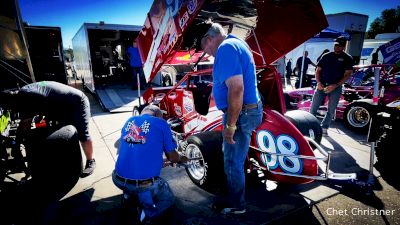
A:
(283, 145)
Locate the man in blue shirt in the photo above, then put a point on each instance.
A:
(143, 141)
(136, 65)
(235, 93)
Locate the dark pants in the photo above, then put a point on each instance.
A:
(135, 72)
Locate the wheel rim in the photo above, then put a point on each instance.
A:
(196, 168)
(358, 116)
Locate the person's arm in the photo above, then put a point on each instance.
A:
(174, 157)
(346, 76)
(170, 145)
(318, 78)
(235, 103)
(313, 63)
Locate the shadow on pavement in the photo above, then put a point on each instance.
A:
(342, 162)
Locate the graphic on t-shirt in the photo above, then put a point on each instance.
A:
(134, 132)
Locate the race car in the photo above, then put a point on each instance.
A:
(283, 146)
(355, 104)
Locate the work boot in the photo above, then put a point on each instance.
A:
(89, 168)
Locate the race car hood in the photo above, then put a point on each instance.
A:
(272, 28)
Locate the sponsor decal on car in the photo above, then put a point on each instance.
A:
(178, 110)
(191, 6)
(183, 20)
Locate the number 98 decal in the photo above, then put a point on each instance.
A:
(283, 144)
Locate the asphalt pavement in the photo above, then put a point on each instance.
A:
(95, 200)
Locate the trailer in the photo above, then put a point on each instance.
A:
(100, 61)
(46, 50)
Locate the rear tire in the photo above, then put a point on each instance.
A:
(307, 124)
(135, 111)
(357, 116)
(55, 161)
(207, 172)
(287, 101)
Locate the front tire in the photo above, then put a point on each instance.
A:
(208, 171)
(307, 124)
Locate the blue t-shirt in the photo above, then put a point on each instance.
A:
(142, 143)
(135, 60)
(234, 57)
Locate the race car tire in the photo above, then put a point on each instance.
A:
(357, 116)
(287, 101)
(55, 161)
(135, 111)
(207, 172)
(138, 109)
(307, 124)
(386, 154)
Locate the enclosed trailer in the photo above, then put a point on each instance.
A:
(46, 52)
(28, 53)
(100, 61)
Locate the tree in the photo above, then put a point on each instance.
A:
(69, 54)
(388, 22)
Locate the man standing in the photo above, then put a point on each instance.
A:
(299, 66)
(333, 70)
(143, 141)
(136, 65)
(235, 92)
(57, 102)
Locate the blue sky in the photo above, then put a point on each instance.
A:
(71, 14)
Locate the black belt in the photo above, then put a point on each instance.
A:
(146, 182)
(245, 107)
(250, 106)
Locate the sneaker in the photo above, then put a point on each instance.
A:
(89, 168)
(325, 132)
(235, 211)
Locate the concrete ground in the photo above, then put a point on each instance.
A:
(95, 199)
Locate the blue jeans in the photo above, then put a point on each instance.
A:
(333, 100)
(154, 199)
(235, 155)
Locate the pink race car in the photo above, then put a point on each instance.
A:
(355, 106)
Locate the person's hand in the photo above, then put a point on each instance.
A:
(320, 86)
(330, 88)
(228, 136)
(183, 159)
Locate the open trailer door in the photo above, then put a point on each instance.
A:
(271, 28)
(15, 65)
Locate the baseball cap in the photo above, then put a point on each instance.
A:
(341, 41)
